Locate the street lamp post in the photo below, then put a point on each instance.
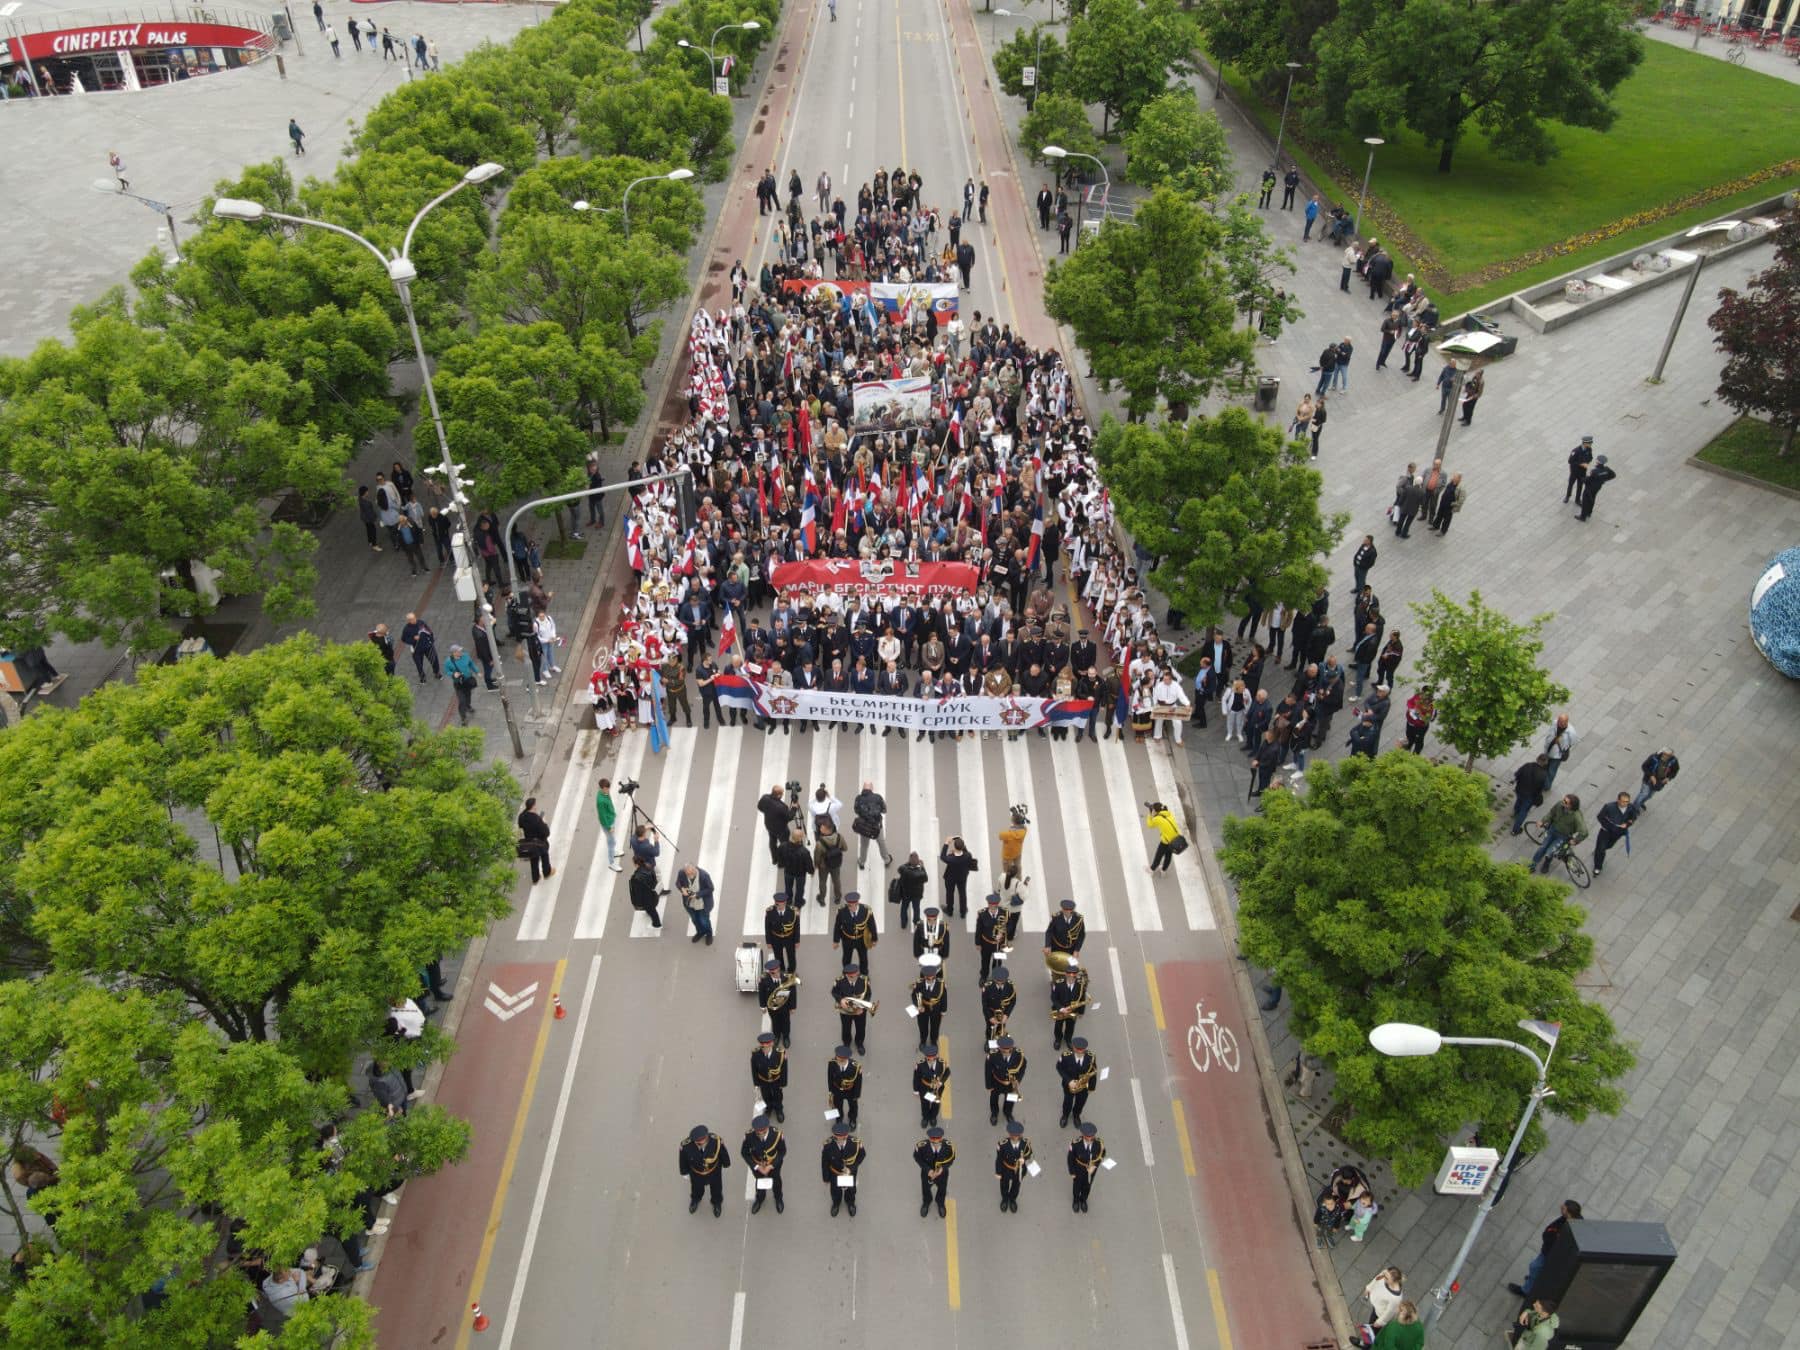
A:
(401, 272)
(1374, 143)
(1687, 294)
(1281, 130)
(1056, 152)
(748, 25)
(624, 206)
(1404, 1040)
(110, 186)
(993, 17)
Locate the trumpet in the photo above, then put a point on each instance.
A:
(781, 993)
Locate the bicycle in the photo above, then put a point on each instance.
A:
(1735, 56)
(1217, 1041)
(1565, 854)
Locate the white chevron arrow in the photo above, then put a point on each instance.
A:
(509, 1005)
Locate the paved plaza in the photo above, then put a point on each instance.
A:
(1695, 933)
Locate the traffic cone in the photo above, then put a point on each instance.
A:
(556, 1000)
(481, 1318)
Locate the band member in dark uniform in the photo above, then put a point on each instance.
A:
(704, 1159)
(933, 1155)
(1068, 1000)
(781, 930)
(1005, 1071)
(1079, 1072)
(1010, 1157)
(778, 994)
(769, 1072)
(851, 991)
(930, 1077)
(841, 1157)
(763, 1152)
(843, 1085)
(854, 930)
(931, 996)
(1067, 932)
(1085, 1156)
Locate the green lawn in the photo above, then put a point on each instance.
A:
(1686, 121)
(1748, 446)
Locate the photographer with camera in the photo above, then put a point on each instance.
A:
(645, 894)
(868, 811)
(696, 890)
(824, 806)
(777, 819)
(1012, 845)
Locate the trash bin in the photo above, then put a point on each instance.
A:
(278, 21)
(1268, 391)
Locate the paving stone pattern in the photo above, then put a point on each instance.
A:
(1695, 940)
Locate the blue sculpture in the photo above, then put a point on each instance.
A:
(1775, 613)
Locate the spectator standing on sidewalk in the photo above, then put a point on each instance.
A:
(1318, 423)
(1363, 562)
(1351, 258)
(1659, 771)
(1340, 377)
(534, 840)
(462, 679)
(365, 509)
(1421, 712)
(383, 644)
(1327, 367)
(332, 37)
(1579, 459)
(319, 15)
(418, 639)
(1312, 218)
(1597, 477)
(1558, 747)
(608, 811)
(695, 888)
(1290, 184)
(1446, 504)
(1268, 187)
(1473, 388)
(1529, 781)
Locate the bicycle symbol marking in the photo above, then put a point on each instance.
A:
(1208, 1041)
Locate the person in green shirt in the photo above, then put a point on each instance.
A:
(609, 813)
(1564, 823)
(1405, 1332)
(1537, 1325)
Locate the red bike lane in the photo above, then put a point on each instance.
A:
(1246, 1210)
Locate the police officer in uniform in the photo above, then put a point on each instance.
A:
(777, 1001)
(931, 996)
(993, 931)
(769, 1072)
(854, 930)
(1010, 1157)
(930, 1075)
(841, 1157)
(1079, 1072)
(1084, 653)
(1005, 1072)
(934, 1155)
(1085, 1157)
(1067, 933)
(1068, 1000)
(781, 930)
(763, 1151)
(853, 1019)
(704, 1159)
(844, 1084)
(998, 998)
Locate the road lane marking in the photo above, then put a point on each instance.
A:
(597, 890)
(1143, 1118)
(511, 1159)
(1155, 996)
(737, 1319)
(509, 1006)
(1181, 1340)
(765, 878)
(714, 840)
(1188, 874)
(517, 1299)
(1035, 918)
(952, 1257)
(814, 921)
(677, 763)
(971, 806)
(1220, 1321)
(540, 907)
(1079, 843)
(1140, 890)
(1112, 957)
(1181, 1133)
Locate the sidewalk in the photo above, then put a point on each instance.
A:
(1695, 948)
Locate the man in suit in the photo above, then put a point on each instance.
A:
(1044, 202)
(535, 840)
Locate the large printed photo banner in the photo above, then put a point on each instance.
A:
(978, 713)
(855, 576)
(904, 402)
(898, 298)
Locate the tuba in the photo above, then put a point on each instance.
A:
(781, 993)
(1059, 962)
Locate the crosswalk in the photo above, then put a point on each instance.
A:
(1087, 839)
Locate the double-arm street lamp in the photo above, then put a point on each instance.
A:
(401, 272)
(672, 176)
(749, 25)
(1405, 1040)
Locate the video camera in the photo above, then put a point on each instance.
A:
(1020, 815)
(629, 786)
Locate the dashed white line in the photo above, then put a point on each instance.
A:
(1181, 1340)
(1112, 957)
(737, 1317)
(1143, 1117)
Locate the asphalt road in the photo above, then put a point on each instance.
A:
(1189, 1241)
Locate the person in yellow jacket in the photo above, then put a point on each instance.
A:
(1163, 821)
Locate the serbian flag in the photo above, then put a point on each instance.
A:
(921, 493)
(728, 630)
(634, 544)
(956, 425)
(1037, 537)
(840, 514)
(1066, 712)
(686, 565)
(736, 691)
(809, 530)
(967, 508)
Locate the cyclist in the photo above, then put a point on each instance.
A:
(1563, 825)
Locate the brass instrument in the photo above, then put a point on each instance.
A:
(781, 993)
(849, 1006)
(1085, 1083)
(1058, 962)
(1074, 1009)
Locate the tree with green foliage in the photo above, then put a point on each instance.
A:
(1033, 47)
(1373, 899)
(669, 212)
(1505, 70)
(538, 78)
(1255, 264)
(1152, 304)
(133, 473)
(510, 396)
(577, 269)
(1491, 692)
(273, 838)
(1227, 506)
(1123, 52)
(171, 1140)
(1758, 329)
(1058, 119)
(450, 117)
(1244, 33)
(662, 118)
(1177, 144)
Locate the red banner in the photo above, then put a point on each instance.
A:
(853, 576)
(134, 37)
